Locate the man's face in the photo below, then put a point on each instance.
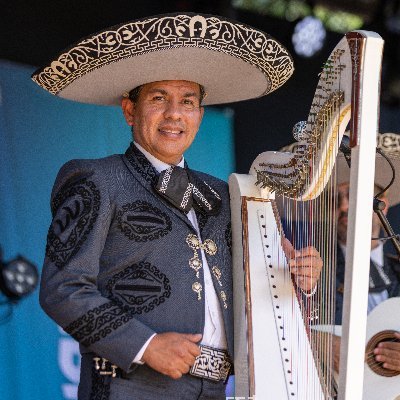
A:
(165, 118)
(342, 208)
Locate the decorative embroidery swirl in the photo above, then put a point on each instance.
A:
(75, 209)
(98, 323)
(139, 288)
(197, 193)
(186, 195)
(172, 31)
(212, 190)
(141, 164)
(100, 386)
(140, 221)
(166, 179)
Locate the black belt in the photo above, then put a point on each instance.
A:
(212, 364)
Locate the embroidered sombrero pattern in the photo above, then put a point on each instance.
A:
(158, 34)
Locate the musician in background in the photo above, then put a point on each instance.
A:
(384, 281)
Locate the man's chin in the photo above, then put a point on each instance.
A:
(342, 238)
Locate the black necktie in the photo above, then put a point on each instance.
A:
(184, 190)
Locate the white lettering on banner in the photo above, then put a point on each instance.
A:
(240, 398)
(69, 362)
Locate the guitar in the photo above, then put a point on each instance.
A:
(379, 383)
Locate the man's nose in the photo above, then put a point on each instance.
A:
(173, 110)
(343, 204)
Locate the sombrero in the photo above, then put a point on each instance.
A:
(389, 144)
(231, 60)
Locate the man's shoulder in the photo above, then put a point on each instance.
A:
(93, 163)
(393, 260)
(87, 169)
(392, 257)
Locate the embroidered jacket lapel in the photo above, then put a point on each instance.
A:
(145, 173)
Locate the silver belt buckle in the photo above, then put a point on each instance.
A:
(213, 364)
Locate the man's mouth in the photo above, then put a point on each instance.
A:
(171, 132)
(342, 220)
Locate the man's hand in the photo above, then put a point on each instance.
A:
(388, 353)
(336, 352)
(305, 265)
(171, 353)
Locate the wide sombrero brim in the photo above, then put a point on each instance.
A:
(389, 143)
(231, 60)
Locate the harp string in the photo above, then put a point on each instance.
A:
(305, 191)
(311, 222)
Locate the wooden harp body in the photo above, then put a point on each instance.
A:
(275, 355)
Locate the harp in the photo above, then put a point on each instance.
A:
(280, 352)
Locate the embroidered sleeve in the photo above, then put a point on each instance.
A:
(69, 293)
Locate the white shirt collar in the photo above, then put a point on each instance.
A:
(155, 162)
(377, 254)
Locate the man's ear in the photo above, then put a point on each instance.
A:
(201, 113)
(386, 201)
(128, 108)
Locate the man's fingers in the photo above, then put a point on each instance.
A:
(287, 248)
(388, 353)
(193, 350)
(388, 362)
(307, 252)
(193, 337)
(306, 267)
(393, 367)
(390, 346)
(175, 375)
(306, 271)
(172, 353)
(192, 347)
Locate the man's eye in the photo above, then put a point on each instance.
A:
(158, 99)
(188, 102)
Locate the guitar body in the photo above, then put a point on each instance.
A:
(376, 386)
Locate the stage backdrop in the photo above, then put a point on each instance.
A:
(40, 132)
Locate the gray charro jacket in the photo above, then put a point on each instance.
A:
(117, 261)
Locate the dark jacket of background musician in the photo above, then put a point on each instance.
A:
(391, 268)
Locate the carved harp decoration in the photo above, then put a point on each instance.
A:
(282, 334)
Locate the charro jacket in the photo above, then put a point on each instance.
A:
(117, 258)
(391, 267)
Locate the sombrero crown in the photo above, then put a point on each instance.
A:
(389, 144)
(232, 61)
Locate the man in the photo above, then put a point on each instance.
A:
(138, 264)
(384, 268)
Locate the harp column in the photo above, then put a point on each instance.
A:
(363, 141)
